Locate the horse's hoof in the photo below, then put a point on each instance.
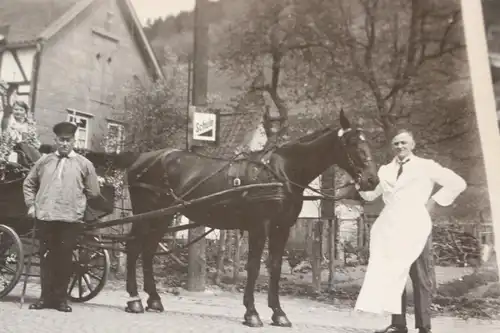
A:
(134, 307)
(155, 306)
(253, 321)
(281, 321)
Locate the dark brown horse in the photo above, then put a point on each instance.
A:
(157, 179)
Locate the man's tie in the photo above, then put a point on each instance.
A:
(60, 164)
(400, 170)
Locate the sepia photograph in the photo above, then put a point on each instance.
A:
(249, 165)
(491, 9)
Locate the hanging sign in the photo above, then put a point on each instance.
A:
(204, 126)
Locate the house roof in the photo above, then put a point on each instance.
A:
(141, 38)
(25, 22)
(236, 127)
(27, 19)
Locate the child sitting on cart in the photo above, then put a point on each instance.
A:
(17, 131)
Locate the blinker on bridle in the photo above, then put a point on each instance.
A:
(350, 160)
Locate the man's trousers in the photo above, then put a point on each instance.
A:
(420, 274)
(57, 242)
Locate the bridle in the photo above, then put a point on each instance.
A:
(358, 172)
(351, 164)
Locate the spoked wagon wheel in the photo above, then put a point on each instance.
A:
(91, 266)
(11, 259)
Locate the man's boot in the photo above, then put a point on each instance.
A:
(393, 329)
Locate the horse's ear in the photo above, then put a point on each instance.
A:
(344, 122)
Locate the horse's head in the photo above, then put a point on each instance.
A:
(357, 161)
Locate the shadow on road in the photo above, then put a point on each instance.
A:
(17, 299)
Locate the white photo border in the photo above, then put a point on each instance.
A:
(485, 106)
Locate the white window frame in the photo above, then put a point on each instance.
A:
(78, 116)
(121, 134)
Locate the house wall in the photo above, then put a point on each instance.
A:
(11, 70)
(85, 67)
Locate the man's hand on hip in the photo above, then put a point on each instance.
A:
(431, 206)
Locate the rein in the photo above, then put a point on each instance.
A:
(160, 191)
(304, 187)
(350, 161)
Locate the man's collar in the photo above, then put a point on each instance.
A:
(71, 153)
(405, 160)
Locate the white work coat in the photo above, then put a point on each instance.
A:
(402, 229)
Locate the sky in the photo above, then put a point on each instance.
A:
(160, 8)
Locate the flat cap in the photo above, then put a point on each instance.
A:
(65, 128)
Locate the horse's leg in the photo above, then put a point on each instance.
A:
(151, 244)
(133, 248)
(256, 242)
(278, 237)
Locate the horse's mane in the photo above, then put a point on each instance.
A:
(100, 158)
(308, 138)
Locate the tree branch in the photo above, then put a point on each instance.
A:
(450, 137)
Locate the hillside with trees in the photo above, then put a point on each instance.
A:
(388, 64)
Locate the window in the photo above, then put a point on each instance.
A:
(116, 138)
(82, 133)
(493, 39)
(493, 32)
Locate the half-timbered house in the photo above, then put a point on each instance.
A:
(71, 60)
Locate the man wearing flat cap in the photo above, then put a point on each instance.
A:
(56, 192)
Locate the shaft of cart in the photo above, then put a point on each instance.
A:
(175, 208)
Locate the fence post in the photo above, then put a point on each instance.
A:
(122, 264)
(331, 254)
(316, 256)
(236, 260)
(359, 227)
(220, 256)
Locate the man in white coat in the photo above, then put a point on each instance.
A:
(399, 238)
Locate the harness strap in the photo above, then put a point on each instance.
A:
(156, 159)
(286, 179)
(156, 189)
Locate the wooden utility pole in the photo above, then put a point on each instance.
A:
(196, 256)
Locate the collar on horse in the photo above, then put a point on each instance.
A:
(237, 170)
